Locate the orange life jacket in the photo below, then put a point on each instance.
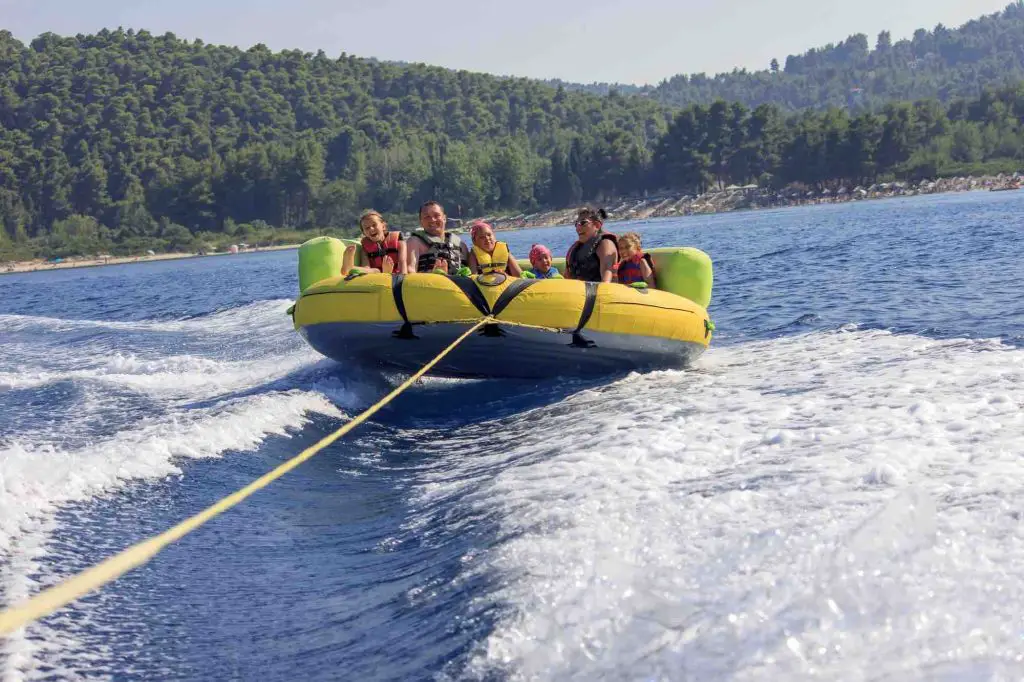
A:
(375, 251)
(629, 271)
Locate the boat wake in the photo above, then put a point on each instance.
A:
(805, 507)
(90, 419)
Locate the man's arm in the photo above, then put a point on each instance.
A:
(413, 254)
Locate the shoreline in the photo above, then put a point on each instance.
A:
(729, 200)
(750, 198)
(38, 265)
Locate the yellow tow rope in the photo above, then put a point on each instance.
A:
(62, 594)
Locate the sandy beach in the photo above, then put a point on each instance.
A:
(97, 261)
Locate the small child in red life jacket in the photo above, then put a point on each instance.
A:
(634, 265)
(384, 251)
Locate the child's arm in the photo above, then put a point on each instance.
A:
(513, 267)
(348, 262)
(648, 274)
(403, 258)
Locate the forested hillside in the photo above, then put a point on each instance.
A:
(726, 144)
(145, 133)
(862, 73)
(127, 141)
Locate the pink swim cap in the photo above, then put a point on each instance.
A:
(476, 228)
(538, 250)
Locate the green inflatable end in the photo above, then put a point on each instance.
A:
(684, 271)
(320, 258)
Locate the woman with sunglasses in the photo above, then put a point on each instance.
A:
(592, 258)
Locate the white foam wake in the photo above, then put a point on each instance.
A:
(831, 506)
(177, 375)
(36, 482)
(134, 415)
(233, 320)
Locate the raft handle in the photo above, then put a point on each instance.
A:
(405, 333)
(579, 341)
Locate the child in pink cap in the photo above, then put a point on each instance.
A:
(540, 259)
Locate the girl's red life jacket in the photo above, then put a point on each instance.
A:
(375, 251)
(629, 272)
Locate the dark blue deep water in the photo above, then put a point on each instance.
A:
(861, 402)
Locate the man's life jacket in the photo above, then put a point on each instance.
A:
(448, 249)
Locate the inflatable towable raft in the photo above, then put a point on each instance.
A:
(542, 328)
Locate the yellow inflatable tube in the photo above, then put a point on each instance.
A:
(542, 328)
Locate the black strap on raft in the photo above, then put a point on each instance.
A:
(396, 292)
(475, 296)
(514, 289)
(578, 341)
(517, 287)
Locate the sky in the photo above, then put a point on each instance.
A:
(623, 41)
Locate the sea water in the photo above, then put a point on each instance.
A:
(833, 492)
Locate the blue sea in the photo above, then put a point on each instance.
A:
(833, 492)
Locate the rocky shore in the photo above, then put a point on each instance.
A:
(753, 197)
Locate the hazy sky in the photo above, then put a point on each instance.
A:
(627, 41)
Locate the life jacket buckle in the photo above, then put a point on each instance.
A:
(491, 279)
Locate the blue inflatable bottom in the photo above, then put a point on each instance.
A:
(497, 350)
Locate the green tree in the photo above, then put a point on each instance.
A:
(966, 143)
(77, 234)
